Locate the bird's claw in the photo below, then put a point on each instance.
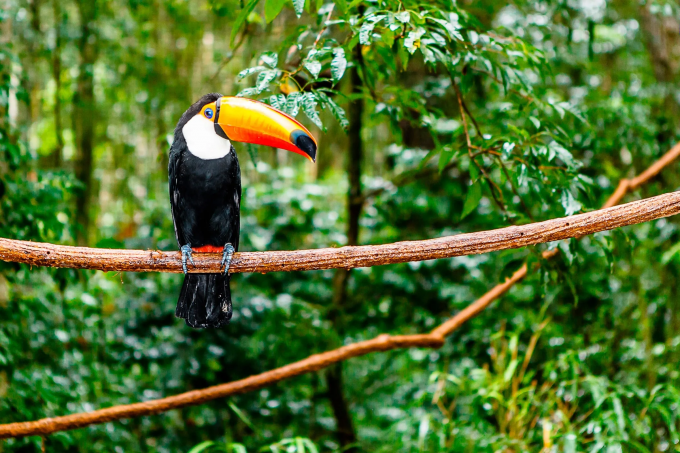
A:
(226, 257)
(186, 253)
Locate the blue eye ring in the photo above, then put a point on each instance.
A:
(208, 113)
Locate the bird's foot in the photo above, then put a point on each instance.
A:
(186, 254)
(226, 257)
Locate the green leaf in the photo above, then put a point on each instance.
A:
(248, 71)
(387, 37)
(569, 443)
(338, 64)
(293, 104)
(569, 203)
(313, 66)
(264, 79)
(507, 375)
(299, 6)
(241, 18)
(474, 172)
(252, 153)
(403, 56)
(237, 448)
(309, 107)
(310, 445)
(670, 254)
(620, 415)
(565, 247)
(271, 59)
(247, 92)
(272, 8)
(278, 101)
(404, 17)
(451, 28)
(342, 6)
(564, 155)
(507, 149)
(412, 41)
(203, 446)
(337, 111)
(444, 158)
(472, 199)
(240, 414)
(366, 29)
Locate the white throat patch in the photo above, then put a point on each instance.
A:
(203, 141)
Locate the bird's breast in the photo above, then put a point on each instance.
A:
(209, 180)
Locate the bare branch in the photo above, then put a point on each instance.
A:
(44, 254)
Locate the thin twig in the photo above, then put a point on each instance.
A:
(492, 185)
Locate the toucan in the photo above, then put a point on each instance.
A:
(205, 190)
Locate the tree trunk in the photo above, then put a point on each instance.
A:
(345, 428)
(663, 43)
(84, 112)
(57, 153)
(33, 50)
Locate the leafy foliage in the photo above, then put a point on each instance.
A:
(476, 116)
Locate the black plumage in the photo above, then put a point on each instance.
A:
(205, 196)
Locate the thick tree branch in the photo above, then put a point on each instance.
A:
(315, 362)
(43, 254)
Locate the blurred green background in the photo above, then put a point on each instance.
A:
(433, 118)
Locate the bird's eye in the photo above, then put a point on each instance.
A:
(208, 113)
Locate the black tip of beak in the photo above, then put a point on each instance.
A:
(304, 142)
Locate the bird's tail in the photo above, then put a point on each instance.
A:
(205, 300)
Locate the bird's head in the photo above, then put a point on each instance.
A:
(214, 121)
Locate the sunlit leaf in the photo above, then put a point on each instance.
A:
(412, 41)
(309, 107)
(564, 155)
(278, 101)
(569, 203)
(246, 72)
(366, 29)
(314, 67)
(293, 103)
(272, 8)
(264, 78)
(404, 17)
(299, 6)
(203, 446)
(247, 92)
(271, 59)
(338, 64)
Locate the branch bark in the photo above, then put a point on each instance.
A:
(434, 339)
(44, 254)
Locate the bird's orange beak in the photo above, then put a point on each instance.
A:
(248, 121)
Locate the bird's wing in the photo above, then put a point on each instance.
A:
(173, 173)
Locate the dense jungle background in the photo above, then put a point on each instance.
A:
(433, 118)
